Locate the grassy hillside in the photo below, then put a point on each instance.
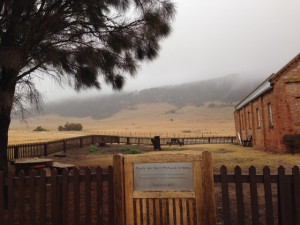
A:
(142, 120)
(228, 89)
(194, 109)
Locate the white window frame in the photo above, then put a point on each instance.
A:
(271, 121)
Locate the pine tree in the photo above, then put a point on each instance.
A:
(73, 42)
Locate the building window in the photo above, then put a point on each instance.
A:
(258, 118)
(271, 122)
(249, 120)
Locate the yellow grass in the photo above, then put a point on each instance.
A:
(232, 155)
(154, 119)
(229, 155)
(23, 136)
(144, 120)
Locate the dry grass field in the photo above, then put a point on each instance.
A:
(149, 120)
(156, 119)
(230, 155)
(142, 120)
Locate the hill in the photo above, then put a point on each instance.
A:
(192, 109)
(228, 90)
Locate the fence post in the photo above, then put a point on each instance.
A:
(16, 152)
(45, 149)
(119, 195)
(127, 141)
(283, 214)
(81, 142)
(64, 145)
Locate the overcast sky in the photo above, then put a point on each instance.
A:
(213, 38)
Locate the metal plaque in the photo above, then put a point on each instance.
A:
(163, 176)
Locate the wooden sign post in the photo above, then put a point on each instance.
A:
(164, 189)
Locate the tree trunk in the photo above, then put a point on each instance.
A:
(4, 126)
(7, 91)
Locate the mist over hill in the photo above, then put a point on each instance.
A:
(228, 89)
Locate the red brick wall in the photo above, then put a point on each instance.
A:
(271, 135)
(284, 99)
(258, 131)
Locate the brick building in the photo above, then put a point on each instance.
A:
(272, 110)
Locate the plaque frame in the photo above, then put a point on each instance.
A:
(126, 196)
(168, 176)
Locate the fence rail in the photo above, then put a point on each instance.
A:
(45, 148)
(185, 140)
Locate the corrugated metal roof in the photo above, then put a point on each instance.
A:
(265, 86)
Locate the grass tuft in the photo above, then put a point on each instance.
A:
(93, 148)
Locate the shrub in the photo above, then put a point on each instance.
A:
(124, 149)
(39, 128)
(131, 150)
(134, 151)
(61, 128)
(71, 127)
(93, 148)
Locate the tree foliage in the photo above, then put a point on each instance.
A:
(71, 127)
(39, 129)
(77, 40)
(74, 42)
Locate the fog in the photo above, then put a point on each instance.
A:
(213, 38)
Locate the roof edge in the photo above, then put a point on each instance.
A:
(262, 88)
(284, 68)
(265, 85)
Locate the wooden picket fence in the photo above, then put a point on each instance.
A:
(86, 197)
(184, 140)
(81, 197)
(50, 147)
(259, 198)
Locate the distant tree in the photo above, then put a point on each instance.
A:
(39, 128)
(71, 127)
(61, 128)
(74, 42)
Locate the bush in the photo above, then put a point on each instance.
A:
(39, 128)
(134, 151)
(71, 127)
(93, 148)
(131, 150)
(61, 128)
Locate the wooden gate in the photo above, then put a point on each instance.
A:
(164, 189)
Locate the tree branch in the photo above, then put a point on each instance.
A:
(19, 77)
